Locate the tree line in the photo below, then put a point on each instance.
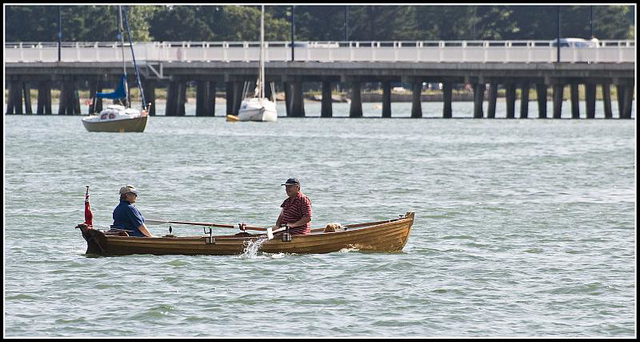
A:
(39, 23)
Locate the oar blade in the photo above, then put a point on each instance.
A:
(270, 233)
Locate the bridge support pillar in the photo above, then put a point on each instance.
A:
(493, 96)
(386, 99)
(558, 94)
(201, 98)
(628, 101)
(69, 100)
(590, 93)
(446, 97)
(620, 93)
(478, 99)
(205, 102)
(182, 97)
(172, 99)
(524, 100)
(511, 100)
(27, 98)
(541, 93)
(76, 99)
(326, 111)
(212, 97)
(416, 99)
(229, 96)
(287, 98)
(170, 107)
(297, 100)
(44, 98)
(575, 101)
(176, 97)
(150, 96)
(606, 98)
(625, 100)
(237, 97)
(355, 111)
(267, 89)
(14, 105)
(94, 87)
(62, 101)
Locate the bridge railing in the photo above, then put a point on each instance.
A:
(529, 51)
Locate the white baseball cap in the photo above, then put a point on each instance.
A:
(127, 189)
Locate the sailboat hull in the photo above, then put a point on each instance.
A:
(136, 124)
(256, 109)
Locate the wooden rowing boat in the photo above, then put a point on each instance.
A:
(381, 236)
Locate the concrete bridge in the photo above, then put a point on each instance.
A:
(512, 65)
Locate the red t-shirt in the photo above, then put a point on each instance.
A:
(293, 209)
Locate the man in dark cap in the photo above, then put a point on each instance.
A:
(127, 217)
(296, 209)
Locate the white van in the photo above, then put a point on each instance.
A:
(575, 42)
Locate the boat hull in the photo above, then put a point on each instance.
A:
(257, 115)
(384, 236)
(137, 124)
(257, 109)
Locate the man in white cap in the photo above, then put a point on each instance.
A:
(296, 209)
(126, 216)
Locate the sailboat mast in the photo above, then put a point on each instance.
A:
(262, 78)
(133, 58)
(124, 64)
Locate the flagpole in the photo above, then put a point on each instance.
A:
(88, 215)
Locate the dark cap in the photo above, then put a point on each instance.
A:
(291, 181)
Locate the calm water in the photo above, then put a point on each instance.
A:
(523, 227)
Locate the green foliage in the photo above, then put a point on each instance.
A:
(382, 23)
(191, 21)
(31, 23)
(324, 22)
(35, 23)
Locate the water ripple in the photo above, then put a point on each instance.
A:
(524, 228)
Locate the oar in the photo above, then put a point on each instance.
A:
(270, 231)
(206, 224)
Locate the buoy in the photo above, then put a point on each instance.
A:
(232, 118)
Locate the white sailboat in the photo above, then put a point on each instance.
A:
(258, 107)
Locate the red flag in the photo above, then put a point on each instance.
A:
(88, 215)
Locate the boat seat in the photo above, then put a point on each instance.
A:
(116, 231)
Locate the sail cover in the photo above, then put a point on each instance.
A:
(120, 93)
